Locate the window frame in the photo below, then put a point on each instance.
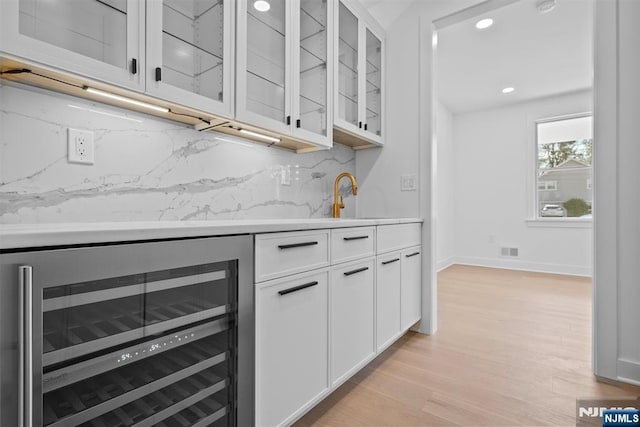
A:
(535, 219)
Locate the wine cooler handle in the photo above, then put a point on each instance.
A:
(25, 339)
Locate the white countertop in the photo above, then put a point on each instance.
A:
(14, 236)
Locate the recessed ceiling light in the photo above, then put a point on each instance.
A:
(484, 23)
(508, 90)
(545, 6)
(261, 5)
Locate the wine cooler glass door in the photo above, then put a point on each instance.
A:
(137, 334)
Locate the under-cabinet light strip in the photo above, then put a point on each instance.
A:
(124, 99)
(259, 135)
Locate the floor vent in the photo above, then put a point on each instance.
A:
(510, 252)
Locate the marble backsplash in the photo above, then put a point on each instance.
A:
(149, 169)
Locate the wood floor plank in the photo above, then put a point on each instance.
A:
(513, 349)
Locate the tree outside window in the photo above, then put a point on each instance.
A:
(564, 165)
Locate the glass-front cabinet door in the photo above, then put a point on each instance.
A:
(359, 76)
(264, 75)
(347, 67)
(312, 109)
(373, 88)
(100, 39)
(284, 60)
(190, 56)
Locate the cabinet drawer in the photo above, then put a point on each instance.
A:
(282, 254)
(398, 236)
(349, 244)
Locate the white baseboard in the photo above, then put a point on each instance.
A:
(629, 371)
(444, 263)
(515, 264)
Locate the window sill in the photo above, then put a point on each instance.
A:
(560, 223)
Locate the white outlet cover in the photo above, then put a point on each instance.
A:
(408, 182)
(80, 146)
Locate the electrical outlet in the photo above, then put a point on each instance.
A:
(285, 175)
(80, 145)
(408, 182)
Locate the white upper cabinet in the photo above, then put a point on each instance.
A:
(359, 77)
(189, 53)
(284, 59)
(101, 39)
(312, 83)
(373, 87)
(348, 87)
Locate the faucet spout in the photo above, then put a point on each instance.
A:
(337, 205)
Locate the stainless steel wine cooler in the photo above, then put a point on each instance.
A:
(140, 334)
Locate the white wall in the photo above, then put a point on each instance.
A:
(445, 188)
(408, 137)
(494, 157)
(379, 170)
(617, 198)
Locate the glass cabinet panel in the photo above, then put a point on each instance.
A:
(313, 66)
(89, 316)
(373, 82)
(158, 348)
(348, 66)
(192, 46)
(266, 60)
(93, 28)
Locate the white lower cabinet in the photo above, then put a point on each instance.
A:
(352, 318)
(387, 299)
(292, 344)
(356, 291)
(411, 289)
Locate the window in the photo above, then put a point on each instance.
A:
(564, 158)
(547, 185)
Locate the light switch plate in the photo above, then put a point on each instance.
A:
(81, 148)
(408, 182)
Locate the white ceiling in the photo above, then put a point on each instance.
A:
(386, 11)
(539, 54)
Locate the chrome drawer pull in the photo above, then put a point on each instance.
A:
(413, 254)
(297, 245)
(297, 288)
(358, 270)
(355, 238)
(390, 261)
(25, 380)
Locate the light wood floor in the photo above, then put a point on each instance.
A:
(513, 348)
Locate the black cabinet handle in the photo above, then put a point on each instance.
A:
(158, 74)
(358, 270)
(288, 120)
(348, 239)
(360, 125)
(297, 245)
(365, 126)
(134, 66)
(413, 254)
(390, 261)
(298, 123)
(297, 288)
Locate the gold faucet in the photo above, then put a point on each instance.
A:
(354, 187)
